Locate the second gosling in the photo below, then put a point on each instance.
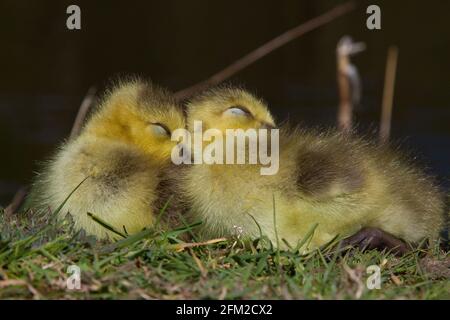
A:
(341, 184)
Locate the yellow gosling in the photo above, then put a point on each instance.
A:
(122, 154)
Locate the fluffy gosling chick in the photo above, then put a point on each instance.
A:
(343, 185)
(121, 153)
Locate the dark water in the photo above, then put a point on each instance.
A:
(45, 69)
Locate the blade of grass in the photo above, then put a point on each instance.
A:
(186, 225)
(262, 236)
(54, 213)
(275, 224)
(280, 274)
(182, 246)
(133, 238)
(105, 225)
(308, 236)
(163, 209)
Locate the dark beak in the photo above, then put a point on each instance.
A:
(183, 151)
(267, 126)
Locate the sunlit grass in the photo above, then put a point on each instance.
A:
(35, 256)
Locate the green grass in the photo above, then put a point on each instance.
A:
(35, 254)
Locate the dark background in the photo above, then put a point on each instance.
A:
(45, 69)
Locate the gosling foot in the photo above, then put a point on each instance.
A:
(374, 238)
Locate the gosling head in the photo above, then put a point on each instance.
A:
(141, 114)
(229, 108)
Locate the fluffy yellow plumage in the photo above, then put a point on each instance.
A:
(122, 152)
(342, 184)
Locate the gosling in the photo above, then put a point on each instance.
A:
(118, 162)
(329, 182)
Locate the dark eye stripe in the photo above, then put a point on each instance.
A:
(162, 126)
(242, 108)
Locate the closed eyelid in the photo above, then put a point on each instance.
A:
(242, 108)
(162, 126)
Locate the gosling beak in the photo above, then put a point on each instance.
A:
(183, 151)
(267, 125)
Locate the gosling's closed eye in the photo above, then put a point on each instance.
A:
(238, 111)
(159, 129)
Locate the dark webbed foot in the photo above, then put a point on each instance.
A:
(374, 238)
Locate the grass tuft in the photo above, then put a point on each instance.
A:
(35, 256)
